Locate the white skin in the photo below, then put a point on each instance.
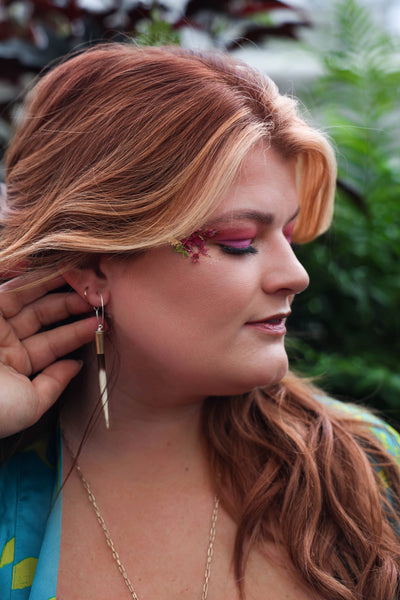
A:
(183, 331)
(183, 327)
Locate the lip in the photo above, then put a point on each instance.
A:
(273, 325)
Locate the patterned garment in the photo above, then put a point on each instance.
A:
(389, 437)
(30, 522)
(30, 511)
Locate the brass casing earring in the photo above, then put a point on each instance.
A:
(101, 363)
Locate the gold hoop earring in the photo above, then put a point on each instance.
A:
(101, 362)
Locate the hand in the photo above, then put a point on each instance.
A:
(31, 376)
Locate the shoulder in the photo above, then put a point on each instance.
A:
(385, 433)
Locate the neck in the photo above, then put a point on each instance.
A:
(156, 437)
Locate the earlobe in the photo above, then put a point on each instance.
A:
(88, 283)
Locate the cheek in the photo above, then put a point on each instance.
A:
(213, 293)
(183, 301)
(160, 310)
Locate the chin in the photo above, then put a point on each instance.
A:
(266, 374)
(271, 369)
(274, 375)
(274, 370)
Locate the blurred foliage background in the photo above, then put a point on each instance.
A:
(350, 314)
(345, 327)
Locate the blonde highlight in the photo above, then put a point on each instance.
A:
(118, 142)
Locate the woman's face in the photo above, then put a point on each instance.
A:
(215, 327)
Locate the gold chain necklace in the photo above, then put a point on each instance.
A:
(111, 545)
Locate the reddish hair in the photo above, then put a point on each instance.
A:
(293, 470)
(123, 149)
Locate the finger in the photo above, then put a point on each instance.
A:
(47, 310)
(31, 318)
(24, 402)
(18, 292)
(12, 352)
(47, 347)
(51, 383)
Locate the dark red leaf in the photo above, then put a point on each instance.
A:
(254, 7)
(257, 34)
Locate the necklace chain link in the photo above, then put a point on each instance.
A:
(113, 550)
(210, 549)
(107, 535)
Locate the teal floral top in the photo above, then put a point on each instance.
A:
(30, 522)
(30, 511)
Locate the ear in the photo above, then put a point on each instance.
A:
(90, 279)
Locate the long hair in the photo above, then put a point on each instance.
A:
(122, 149)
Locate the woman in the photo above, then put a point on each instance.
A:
(164, 187)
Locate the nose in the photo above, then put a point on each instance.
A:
(284, 273)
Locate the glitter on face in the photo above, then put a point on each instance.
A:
(195, 245)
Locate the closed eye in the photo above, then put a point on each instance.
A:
(237, 246)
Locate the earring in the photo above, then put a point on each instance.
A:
(101, 363)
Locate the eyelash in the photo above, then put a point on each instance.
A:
(236, 250)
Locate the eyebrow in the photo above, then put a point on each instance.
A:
(249, 215)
